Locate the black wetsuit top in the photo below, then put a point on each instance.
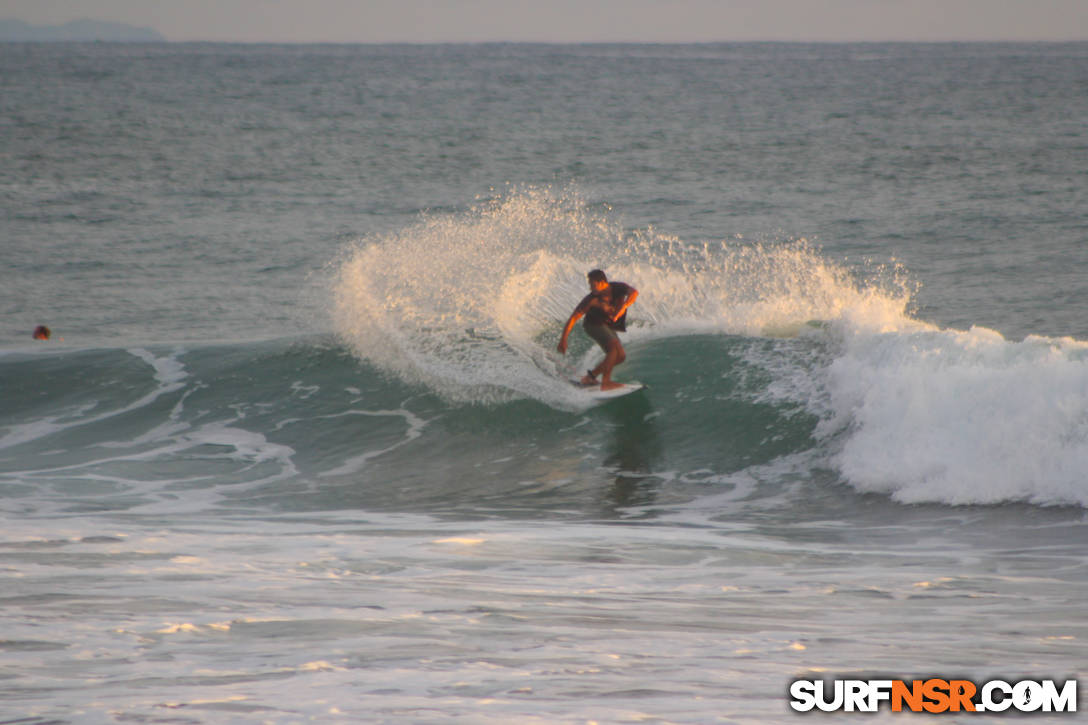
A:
(599, 307)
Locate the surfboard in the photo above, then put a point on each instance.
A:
(595, 392)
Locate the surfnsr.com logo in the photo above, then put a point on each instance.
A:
(933, 696)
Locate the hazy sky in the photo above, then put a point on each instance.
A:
(575, 20)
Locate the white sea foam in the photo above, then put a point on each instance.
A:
(414, 424)
(961, 416)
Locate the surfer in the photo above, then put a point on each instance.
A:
(605, 310)
(41, 332)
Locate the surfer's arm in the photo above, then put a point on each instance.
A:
(574, 317)
(632, 295)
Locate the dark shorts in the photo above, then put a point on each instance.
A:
(602, 334)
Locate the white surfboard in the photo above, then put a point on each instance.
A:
(595, 392)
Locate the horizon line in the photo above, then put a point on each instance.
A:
(752, 41)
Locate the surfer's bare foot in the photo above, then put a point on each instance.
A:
(611, 385)
(589, 380)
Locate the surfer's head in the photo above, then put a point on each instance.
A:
(597, 280)
(41, 332)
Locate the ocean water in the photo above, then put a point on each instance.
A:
(301, 448)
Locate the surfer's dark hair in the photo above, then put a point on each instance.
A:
(597, 276)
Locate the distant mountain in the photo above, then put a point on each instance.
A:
(78, 30)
